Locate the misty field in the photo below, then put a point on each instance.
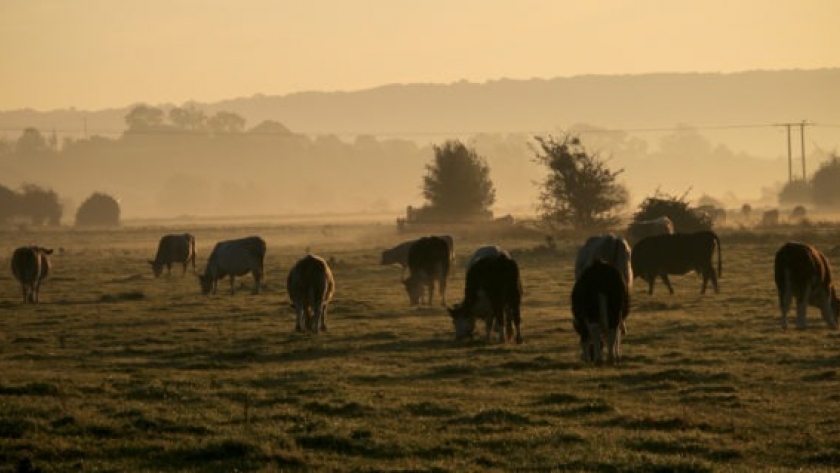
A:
(117, 371)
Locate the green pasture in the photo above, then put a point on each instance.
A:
(117, 371)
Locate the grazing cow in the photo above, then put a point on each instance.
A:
(174, 249)
(311, 287)
(802, 272)
(611, 249)
(484, 252)
(638, 231)
(399, 254)
(493, 292)
(600, 304)
(661, 255)
(234, 258)
(428, 261)
(770, 218)
(31, 265)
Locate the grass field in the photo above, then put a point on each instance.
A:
(117, 371)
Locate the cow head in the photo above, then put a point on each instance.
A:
(414, 288)
(157, 268)
(463, 321)
(206, 282)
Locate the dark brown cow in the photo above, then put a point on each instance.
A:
(311, 287)
(600, 303)
(661, 255)
(492, 292)
(802, 272)
(31, 265)
(234, 258)
(428, 261)
(174, 249)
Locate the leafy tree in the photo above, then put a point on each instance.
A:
(188, 118)
(31, 142)
(40, 205)
(825, 184)
(797, 192)
(99, 209)
(226, 122)
(580, 190)
(457, 184)
(144, 118)
(8, 203)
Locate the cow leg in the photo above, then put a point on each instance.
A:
(785, 298)
(232, 287)
(300, 323)
(667, 282)
(442, 284)
(25, 292)
(515, 320)
(650, 280)
(323, 316)
(614, 342)
(36, 289)
(257, 282)
(488, 325)
(802, 307)
(595, 341)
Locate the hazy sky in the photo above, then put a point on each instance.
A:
(93, 54)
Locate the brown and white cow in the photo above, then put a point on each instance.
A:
(611, 249)
(600, 304)
(493, 293)
(428, 262)
(311, 286)
(680, 253)
(234, 258)
(802, 272)
(30, 266)
(174, 249)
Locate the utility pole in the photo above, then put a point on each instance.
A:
(801, 126)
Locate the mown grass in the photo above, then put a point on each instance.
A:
(118, 371)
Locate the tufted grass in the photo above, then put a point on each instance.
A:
(118, 371)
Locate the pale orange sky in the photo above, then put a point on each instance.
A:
(93, 54)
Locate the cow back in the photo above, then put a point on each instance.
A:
(599, 279)
(676, 253)
(806, 266)
(237, 256)
(429, 255)
(611, 249)
(497, 277)
(309, 279)
(30, 264)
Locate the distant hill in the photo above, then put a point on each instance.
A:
(426, 112)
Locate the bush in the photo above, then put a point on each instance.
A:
(99, 210)
(684, 218)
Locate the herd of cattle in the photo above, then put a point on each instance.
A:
(605, 268)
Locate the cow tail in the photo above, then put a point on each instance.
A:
(720, 261)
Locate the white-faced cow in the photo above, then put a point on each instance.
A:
(638, 231)
(611, 249)
(311, 287)
(428, 262)
(399, 254)
(600, 304)
(174, 249)
(30, 266)
(802, 272)
(234, 258)
(492, 292)
(661, 255)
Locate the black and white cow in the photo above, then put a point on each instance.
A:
(661, 255)
(428, 262)
(600, 305)
(174, 249)
(492, 292)
(611, 249)
(234, 258)
(311, 287)
(30, 266)
(802, 272)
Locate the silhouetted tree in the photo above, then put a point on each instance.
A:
(580, 190)
(684, 218)
(32, 142)
(98, 210)
(188, 118)
(8, 203)
(797, 192)
(40, 205)
(457, 184)
(825, 184)
(144, 118)
(226, 122)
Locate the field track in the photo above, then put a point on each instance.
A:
(117, 371)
